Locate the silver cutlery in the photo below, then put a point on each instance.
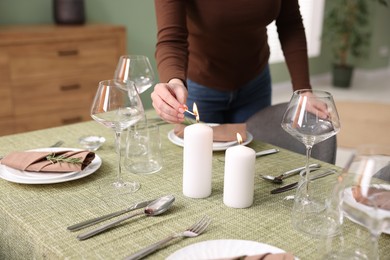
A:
(279, 179)
(193, 231)
(56, 144)
(258, 154)
(266, 152)
(94, 221)
(155, 208)
(295, 184)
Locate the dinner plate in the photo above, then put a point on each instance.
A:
(350, 200)
(224, 248)
(217, 146)
(25, 177)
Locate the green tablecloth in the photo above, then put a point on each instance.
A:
(33, 218)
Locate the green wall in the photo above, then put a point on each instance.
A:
(139, 18)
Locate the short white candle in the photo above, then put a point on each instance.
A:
(239, 177)
(197, 160)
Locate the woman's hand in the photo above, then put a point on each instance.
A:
(316, 106)
(169, 100)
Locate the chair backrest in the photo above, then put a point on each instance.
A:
(265, 126)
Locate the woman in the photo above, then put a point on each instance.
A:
(215, 53)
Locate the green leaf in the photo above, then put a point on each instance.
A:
(53, 158)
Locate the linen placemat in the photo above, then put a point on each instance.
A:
(34, 217)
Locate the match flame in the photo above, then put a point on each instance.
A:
(239, 138)
(195, 110)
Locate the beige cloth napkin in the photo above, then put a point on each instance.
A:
(37, 162)
(267, 256)
(221, 133)
(381, 197)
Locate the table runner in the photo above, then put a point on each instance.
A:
(33, 218)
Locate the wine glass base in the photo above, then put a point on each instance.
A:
(126, 186)
(112, 189)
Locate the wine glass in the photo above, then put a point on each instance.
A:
(311, 117)
(136, 68)
(364, 188)
(117, 105)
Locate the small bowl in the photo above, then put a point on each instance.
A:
(91, 142)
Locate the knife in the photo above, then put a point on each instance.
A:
(295, 184)
(265, 152)
(93, 221)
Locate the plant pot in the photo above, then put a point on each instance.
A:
(342, 75)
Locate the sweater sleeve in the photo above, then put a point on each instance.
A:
(293, 41)
(172, 46)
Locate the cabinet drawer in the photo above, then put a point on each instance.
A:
(7, 126)
(40, 121)
(5, 102)
(52, 60)
(49, 96)
(5, 90)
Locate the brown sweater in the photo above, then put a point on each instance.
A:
(223, 43)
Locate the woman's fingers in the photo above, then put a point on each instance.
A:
(316, 106)
(167, 101)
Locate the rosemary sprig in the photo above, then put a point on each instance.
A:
(62, 159)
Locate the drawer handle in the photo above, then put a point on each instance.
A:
(72, 120)
(68, 53)
(70, 87)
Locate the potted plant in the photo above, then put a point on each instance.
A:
(346, 30)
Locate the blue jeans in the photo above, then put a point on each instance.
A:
(237, 106)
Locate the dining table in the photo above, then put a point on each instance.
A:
(34, 216)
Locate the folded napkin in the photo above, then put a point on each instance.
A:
(221, 133)
(61, 162)
(381, 197)
(267, 256)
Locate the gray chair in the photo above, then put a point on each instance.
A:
(265, 126)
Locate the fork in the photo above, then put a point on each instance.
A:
(193, 231)
(56, 144)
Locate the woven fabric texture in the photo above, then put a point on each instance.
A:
(33, 218)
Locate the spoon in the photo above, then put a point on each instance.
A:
(155, 208)
(279, 179)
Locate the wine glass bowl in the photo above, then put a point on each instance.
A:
(135, 68)
(311, 117)
(117, 106)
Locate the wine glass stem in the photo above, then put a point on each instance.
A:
(118, 148)
(374, 246)
(307, 168)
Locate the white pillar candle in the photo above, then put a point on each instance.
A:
(239, 177)
(197, 160)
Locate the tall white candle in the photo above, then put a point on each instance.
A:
(197, 160)
(239, 177)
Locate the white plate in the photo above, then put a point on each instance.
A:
(350, 200)
(217, 146)
(214, 249)
(24, 177)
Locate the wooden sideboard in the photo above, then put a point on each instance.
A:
(49, 74)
